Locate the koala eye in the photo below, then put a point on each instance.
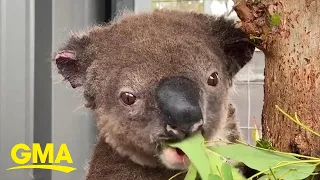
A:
(128, 98)
(213, 79)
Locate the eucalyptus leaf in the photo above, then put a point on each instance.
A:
(236, 174)
(275, 19)
(265, 177)
(214, 177)
(192, 173)
(226, 172)
(296, 171)
(194, 148)
(263, 160)
(215, 161)
(263, 143)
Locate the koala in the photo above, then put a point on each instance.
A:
(152, 78)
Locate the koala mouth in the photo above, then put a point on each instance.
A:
(180, 152)
(174, 158)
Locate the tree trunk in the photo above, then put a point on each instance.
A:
(292, 71)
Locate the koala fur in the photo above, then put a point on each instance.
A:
(136, 52)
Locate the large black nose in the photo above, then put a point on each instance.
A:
(178, 99)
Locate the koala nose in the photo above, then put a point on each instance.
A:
(178, 99)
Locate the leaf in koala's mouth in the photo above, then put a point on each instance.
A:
(207, 163)
(194, 148)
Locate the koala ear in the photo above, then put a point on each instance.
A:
(235, 44)
(72, 61)
(239, 52)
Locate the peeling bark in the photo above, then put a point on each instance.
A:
(292, 72)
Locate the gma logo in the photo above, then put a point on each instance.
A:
(33, 153)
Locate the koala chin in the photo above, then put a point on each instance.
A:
(153, 78)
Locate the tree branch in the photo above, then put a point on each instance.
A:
(253, 19)
(247, 17)
(242, 10)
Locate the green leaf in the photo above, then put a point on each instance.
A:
(194, 148)
(265, 177)
(214, 177)
(263, 143)
(262, 160)
(236, 175)
(275, 19)
(215, 161)
(192, 173)
(226, 172)
(296, 171)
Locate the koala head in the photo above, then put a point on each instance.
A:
(156, 77)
